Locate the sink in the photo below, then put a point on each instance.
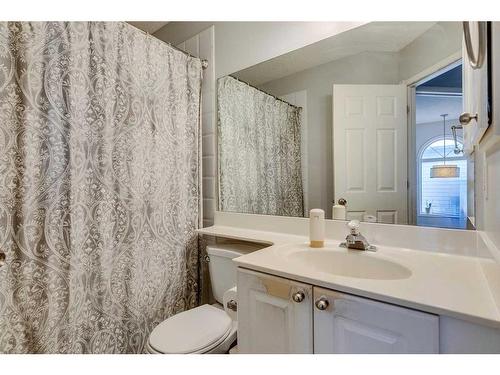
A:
(350, 263)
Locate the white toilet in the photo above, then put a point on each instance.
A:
(207, 328)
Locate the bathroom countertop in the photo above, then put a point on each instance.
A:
(443, 284)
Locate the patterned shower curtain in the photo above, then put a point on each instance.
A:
(259, 152)
(99, 186)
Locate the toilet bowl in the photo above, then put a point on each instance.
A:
(207, 329)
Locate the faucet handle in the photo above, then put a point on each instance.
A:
(354, 227)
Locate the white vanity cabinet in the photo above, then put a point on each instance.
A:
(277, 315)
(348, 324)
(274, 314)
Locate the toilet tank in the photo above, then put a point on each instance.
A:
(221, 266)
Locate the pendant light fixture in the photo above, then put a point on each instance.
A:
(444, 170)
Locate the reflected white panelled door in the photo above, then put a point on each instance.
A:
(370, 151)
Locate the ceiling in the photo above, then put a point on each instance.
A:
(452, 79)
(441, 94)
(148, 26)
(430, 108)
(374, 36)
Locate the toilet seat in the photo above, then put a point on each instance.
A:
(194, 331)
(224, 347)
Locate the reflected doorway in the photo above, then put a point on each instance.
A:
(441, 199)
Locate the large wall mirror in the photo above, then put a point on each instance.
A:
(368, 117)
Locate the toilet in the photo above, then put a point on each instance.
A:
(207, 328)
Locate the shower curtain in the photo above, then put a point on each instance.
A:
(99, 186)
(259, 152)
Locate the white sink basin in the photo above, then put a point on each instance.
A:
(350, 263)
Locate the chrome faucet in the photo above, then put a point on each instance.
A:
(355, 240)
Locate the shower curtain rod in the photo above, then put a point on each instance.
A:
(256, 88)
(204, 62)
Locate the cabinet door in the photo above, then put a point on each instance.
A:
(350, 324)
(274, 314)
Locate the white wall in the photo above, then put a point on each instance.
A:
(436, 44)
(365, 68)
(177, 32)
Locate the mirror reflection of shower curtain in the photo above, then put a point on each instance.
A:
(99, 186)
(259, 152)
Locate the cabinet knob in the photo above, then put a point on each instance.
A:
(322, 303)
(298, 297)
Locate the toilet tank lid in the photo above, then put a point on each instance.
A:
(231, 250)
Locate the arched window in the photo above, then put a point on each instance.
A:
(444, 197)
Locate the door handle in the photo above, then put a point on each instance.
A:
(465, 118)
(2, 258)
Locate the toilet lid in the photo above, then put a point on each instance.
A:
(190, 331)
